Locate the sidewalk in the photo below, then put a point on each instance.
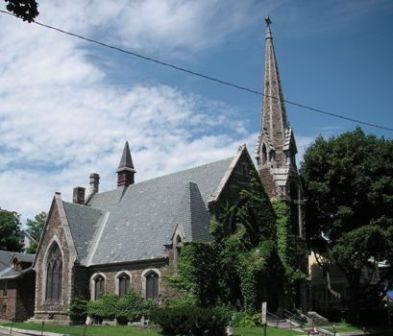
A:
(24, 332)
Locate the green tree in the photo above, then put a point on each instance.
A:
(34, 229)
(349, 190)
(10, 234)
(25, 9)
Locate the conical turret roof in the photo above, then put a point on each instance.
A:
(126, 159)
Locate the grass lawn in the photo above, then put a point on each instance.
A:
(90, 331)
(259, 332)
(344, 327)
(133, 331)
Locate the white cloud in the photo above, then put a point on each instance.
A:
(60, 119)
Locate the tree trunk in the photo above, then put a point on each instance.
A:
(354, 302)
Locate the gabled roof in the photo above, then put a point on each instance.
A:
(138, 222)
(6, 264)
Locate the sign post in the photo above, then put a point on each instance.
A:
(263, 317)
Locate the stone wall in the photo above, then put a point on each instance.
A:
(84, 277)
(55, 232)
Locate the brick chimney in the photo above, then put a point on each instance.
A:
(78, 195)
(94, 183)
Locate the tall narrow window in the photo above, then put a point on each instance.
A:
(151, 285)
(177, 251)
(99, 287)
(54, 274)
(264, 154)
(124, 283)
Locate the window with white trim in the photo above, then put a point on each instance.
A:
(152, 285)
(124, 283)
(99, 286)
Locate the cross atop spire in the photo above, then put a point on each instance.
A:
(268, 30)
(126, 170)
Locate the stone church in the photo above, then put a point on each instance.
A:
(131, 236)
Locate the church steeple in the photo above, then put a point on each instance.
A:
(276, 147)
(126, 170)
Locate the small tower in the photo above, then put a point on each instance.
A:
(126, 170)
(276, 147)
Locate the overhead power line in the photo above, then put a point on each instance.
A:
(204, 76)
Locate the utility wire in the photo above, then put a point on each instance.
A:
(204, 76)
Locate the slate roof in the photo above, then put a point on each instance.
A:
(135, 223)
(83, 222)
(6, 269)
(126, 160)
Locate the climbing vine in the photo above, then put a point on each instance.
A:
(241, 262)
(287, 246)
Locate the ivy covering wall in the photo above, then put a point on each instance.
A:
(249, 259)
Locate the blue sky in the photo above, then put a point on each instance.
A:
(67, 106)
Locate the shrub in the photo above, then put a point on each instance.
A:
(131, 307)
(191, 321)
(95, 309)
(109, 302)
(78, 310)
(245, 320)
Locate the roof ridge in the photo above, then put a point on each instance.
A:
(170, 174)
(82, 206)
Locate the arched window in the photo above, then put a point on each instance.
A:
(124, 283)
(54, 275)
(152, 286)
(99, 287)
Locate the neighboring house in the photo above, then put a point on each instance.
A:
(17, 281)
(129, 237)
(328, 287)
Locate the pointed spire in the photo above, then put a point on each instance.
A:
(274, 116)
(276, 148)
(126, 160)
(126, 170)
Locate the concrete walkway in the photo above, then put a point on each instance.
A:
(24, 332)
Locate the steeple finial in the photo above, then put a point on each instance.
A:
(126, 170)
(268, 30)
(268, 21)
